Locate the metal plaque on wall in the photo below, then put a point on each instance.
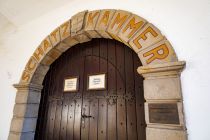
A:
(165, 113)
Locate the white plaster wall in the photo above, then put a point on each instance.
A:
(184, 22)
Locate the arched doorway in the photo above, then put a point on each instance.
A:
(116, 112)
(161, 70)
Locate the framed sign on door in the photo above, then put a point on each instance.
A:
(96, 82)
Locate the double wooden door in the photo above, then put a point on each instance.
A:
(114, 113)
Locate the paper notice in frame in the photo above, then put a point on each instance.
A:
(97, 82)
(71, 84)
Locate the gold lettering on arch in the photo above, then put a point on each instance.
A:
(91, 16)
(119, 20)
(105, 18)
(156, 54)
(133, 26)
(144, 37)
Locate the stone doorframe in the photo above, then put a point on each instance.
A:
(161, 70)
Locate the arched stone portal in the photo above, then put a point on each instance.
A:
(161, 70)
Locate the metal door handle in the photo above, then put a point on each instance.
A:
(86, 116)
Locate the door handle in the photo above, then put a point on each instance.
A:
(86, 116)
(83, 117)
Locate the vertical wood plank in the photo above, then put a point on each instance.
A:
(52, 119)
(65, 105)
(102, 108)
(85, 107)
(121, 106)
(94, 68)
(53, 104)
(70, 96)
(112, 116)
(130, 104)
(78, 70)
(70, 122)
(56, 130)
(64, 115)
(139, 100)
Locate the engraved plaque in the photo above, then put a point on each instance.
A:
(97, 82)
(71, 84)
(165, 113)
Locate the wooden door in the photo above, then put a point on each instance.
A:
(114, 113)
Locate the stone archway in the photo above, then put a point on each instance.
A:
(161, 70)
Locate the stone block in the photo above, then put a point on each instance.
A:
(62, 47)
(55, 36)
(31, 65)
(26, 110)
(17, 125)
(43, 49)
(70, 42)
(51, 56)
(26, 77)
(28, 97)
(165, 134)
(14, 136)
(130, 27)
(161, 52)
(54, 53)
(181, 114)
(42, 69)
(77, 23)
(23, 124)
(21, 136)
(93, 34)
(37, 78)
(29, 124)
(162, 89)
(147, 36)
(117, 22)
(104, 34)
(90, 23)
(82, 38)
(47, 60)
(65, 30)
(103, 22)
(39, 53)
